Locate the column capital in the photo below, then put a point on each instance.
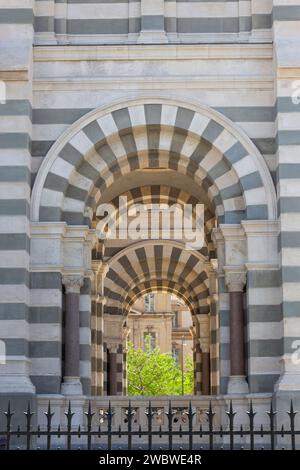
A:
(204, 345)
(235, 279)
(103, 268)
(101, 299)
(112, 347)
(73, 283)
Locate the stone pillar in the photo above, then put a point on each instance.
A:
(71, 383)
(126, 332)
(61, 14)
(97, 345)
(205, 365)
(197, 368)
(235, 282)
(213, 302)
(152, 22)
(100, 269)
(112, 369)
(204, 341)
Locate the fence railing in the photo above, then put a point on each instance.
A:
(99, 431)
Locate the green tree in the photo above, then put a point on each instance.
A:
(152, 373)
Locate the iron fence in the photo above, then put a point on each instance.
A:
(109, 434)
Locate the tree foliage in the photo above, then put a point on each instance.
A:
(153, 373)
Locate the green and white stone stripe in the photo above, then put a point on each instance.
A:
(16, 27)
(85, 336)
(264, 329)
(154, 135)
(121, 17)
(286, 23)
(46, 331)
(224, 313)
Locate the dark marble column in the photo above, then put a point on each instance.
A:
(112, 369)
(197, 368)
(71, 383)
(237, 382)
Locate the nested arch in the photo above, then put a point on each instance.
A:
(194, 141)
(152, 266)
(152, 195)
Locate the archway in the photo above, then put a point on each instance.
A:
(152, 150)
(160, 346)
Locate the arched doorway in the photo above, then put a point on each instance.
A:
(167, 151)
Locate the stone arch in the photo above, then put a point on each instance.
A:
(149, 195)
(156, 265)
(148, 132)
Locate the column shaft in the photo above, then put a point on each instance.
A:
(72, 350)
(112, 375)
(236, 280)
(72, 384)
(237, 353)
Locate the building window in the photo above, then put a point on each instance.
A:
(175, 320)
(149, 303)
(149, 340)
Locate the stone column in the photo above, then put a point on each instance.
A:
(205, 366)
(126, 332)
(197, 368)
(71, 383)
(204, 341)
(235, 282)
(112, 369)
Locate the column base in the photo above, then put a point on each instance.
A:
(237, 384)
(288, 382)
(152, 37)
(14, 383)
(71, 386)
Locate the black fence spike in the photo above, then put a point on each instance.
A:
(292, 414)
(9, 414)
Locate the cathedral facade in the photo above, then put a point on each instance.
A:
(161, 102)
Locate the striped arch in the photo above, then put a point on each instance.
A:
(152, 266)
(162, 194)
(195, 141)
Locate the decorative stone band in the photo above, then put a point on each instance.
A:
(73, 283)
(235, 279)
